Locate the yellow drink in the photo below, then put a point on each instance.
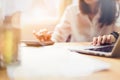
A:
(9, 44)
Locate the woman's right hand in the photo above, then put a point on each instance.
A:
(44, 36)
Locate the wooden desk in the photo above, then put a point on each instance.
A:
(112, 74)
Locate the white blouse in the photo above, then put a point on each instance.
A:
(80, 27)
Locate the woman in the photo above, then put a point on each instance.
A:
(82, 22)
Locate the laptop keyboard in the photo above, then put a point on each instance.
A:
(103, 49)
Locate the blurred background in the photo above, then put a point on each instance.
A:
(33, 14)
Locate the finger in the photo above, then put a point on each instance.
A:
(43, 34)
(46, 38)
(94, 41)
(99, 40)
(49, 34)
(42, 37)
(112, 39)
(104, 38)
(109, 39)
(38, 36)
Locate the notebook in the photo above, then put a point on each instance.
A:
(36, 43)
(112, 50)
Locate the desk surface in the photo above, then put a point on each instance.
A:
(112, 74)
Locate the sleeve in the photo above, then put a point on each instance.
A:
(63, 29)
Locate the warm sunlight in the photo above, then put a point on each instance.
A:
(40, 12)
(35, 16)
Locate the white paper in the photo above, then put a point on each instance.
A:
(55, 61)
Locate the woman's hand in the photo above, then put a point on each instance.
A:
(43, 36)
(103, 39)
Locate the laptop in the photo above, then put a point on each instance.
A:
(112, 50)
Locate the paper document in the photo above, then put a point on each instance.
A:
(55, 61)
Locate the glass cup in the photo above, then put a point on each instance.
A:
(9, 45)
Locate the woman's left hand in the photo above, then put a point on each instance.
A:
(103, 39)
